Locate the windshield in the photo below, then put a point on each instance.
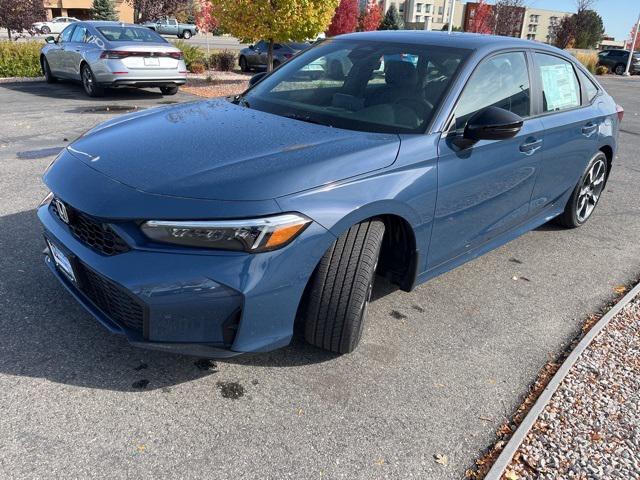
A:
(130, 34)
(361, 85)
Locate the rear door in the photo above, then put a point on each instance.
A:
(571, 119)
(485, 189)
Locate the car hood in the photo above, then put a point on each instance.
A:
(220, 151)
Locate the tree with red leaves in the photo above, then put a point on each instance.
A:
(371, 17)
(18, 15)
(482, 19)
(205, 21)
(630, 41)
(345, 20)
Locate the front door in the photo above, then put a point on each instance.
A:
(485, 189)
(57, 57)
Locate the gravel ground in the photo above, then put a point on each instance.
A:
(591, 427)
(217, 84)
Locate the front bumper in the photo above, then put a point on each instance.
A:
(209, 305)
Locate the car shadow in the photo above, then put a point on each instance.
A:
(46, 334)
(64, 89)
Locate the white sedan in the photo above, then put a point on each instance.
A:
(53, 26)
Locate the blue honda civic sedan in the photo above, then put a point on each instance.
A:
(210, 228)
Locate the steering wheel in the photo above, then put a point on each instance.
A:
(418, 105)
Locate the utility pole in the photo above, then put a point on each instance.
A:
(633, 44)
(453, 10)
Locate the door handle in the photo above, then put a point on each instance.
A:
(589, 129)
(531, 146)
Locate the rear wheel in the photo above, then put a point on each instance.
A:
(337, 298)
(186, 34)
(586, 195)
(169, 90)
(46, 70)
(89, 82)
(620, 69)
(243, 64)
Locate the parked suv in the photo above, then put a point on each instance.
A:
(211, 227)
(616, 61)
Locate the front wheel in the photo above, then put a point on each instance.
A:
(336, 300)
(46, 70)
(186, 34)
(169, 90)
(620, 69)
(244, 66)
(586, 195)
(89, 82)
(45, 30)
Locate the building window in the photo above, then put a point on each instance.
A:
(531, 36)
(418, 18)
(427, 8)
(440, 10)
(553, 21)
(401, 8)
(418, 8)
(533, 28)
(534, 18)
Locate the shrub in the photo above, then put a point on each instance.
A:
(196, 67)
(602, 70)
(589, 60)
(192, 54)
(20, 59)
(224, 61)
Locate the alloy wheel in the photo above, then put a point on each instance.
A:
(87, 80)
(590, 190)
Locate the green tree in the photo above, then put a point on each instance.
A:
(589, 29)
(392, 19)
(274, 20)
(104, 10)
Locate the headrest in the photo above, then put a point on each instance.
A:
(400, 74)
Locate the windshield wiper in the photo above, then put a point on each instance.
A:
(305, 118)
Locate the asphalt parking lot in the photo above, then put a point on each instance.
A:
(438, 370)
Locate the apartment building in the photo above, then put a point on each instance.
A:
(426, 14)
(81, 9)
(540, 24)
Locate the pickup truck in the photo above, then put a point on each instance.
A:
(170, 26)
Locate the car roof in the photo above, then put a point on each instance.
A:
(473, 41)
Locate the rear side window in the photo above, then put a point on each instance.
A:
(79, 34)
(500, 81)
(589, 87)
(560, 87)
(65, 36)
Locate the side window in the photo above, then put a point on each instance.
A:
(79, 34)
(65, 36)
(500, 81)
(560, 88)
(589, 87)
(262, 46)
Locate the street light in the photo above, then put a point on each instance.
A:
(453, 10)
(631, 49)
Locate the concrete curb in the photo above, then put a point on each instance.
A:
(501, 463)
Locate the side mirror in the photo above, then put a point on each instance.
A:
(50, 39)
(256, 78)
(493, 123)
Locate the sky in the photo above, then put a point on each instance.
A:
(618, 16)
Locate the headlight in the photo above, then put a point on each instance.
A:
(256, 235)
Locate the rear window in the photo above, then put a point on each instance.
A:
(130, 34)
(560, 87)
(589, 87)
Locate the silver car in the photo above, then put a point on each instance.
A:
(112, 54)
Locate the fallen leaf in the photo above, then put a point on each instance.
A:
(379, 462)
(511, 475)
(441, 459)
(300, 412)
(141, 448)
(620, 289)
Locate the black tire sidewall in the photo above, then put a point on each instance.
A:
(186, 35)
(619, 66)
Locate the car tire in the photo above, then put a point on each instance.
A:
(45, 30)
(186, 34)
(586, 194)
(46, 70)
(620, 69)
(169, 90)
(243, 64)
(336, 300)
(89, 83)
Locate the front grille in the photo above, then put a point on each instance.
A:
(92, 232)
(118, 304)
